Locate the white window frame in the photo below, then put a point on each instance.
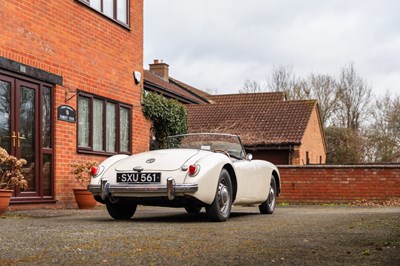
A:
(115, 15)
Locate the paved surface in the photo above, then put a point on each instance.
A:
(298, 235)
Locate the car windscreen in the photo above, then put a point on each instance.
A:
(211, 142)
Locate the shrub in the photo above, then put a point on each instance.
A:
(10, 171)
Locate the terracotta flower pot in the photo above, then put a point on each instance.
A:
(84, 198)
(5, 196)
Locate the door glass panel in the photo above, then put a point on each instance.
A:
(47, 170)
(111, 127)
(46, 118)
(5, 97)
(26, 138)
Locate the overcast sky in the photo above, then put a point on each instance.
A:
(216, 45)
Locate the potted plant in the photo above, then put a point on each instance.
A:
(10, 177)
(83, 173)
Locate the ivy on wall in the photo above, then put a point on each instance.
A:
(169, 117)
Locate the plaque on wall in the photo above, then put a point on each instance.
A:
(66, 113)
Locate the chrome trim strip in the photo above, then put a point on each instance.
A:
(175, 188)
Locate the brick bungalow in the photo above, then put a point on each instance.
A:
(70, 87)
(280, 131)
(272, 128)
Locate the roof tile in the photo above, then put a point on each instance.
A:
(249, 97)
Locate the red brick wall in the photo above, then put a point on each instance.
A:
(312, 142)
(339, 184)
(90, 52)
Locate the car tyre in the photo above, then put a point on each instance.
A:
(268, 206)
(220, 208)
(121, 211)
(193, 209)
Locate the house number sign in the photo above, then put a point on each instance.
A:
(66, 113)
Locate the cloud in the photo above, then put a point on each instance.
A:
(218, 44)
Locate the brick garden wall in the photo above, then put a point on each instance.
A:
(339, 184)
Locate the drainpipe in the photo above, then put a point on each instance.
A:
(290, 154)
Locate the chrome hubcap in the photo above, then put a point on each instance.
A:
(271, 198)
(223, 197)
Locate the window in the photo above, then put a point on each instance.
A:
(117, 10)
(104, 125)
(307, 158)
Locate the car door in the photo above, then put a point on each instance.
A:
(247, 182)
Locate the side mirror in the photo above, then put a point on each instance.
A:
(249, 157)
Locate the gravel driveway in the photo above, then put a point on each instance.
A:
(294, 235)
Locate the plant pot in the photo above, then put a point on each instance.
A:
(5, 196)
(84, 198)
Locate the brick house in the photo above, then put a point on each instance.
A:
(69, 89)
(271, 128)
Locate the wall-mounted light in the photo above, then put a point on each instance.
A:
(137, 76)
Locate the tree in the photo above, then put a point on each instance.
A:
(324, 89)
(344, 146)
(354, 99)
(283, 80)
(346, 108)
(384, 132)
(315, 86)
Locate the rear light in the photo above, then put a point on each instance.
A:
(194, 169)
(94, 170)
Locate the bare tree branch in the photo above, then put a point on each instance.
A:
(251, 86)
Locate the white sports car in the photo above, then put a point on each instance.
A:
(198, 170)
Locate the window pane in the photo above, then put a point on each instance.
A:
(110, 127)
(98, 125)
(121, 11)
(96, 4)
(46, 118)
(124, 129)
(83, 122)
(108, 8)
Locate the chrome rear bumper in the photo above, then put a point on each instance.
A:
(105, 190)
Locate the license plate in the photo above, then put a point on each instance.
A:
(129, 177)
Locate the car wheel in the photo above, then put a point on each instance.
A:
(220, 208)
(269, 205)
(193, 209)
(121, 211)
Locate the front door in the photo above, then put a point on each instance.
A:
(26, 132)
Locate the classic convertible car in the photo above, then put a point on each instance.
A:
(197, 170)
